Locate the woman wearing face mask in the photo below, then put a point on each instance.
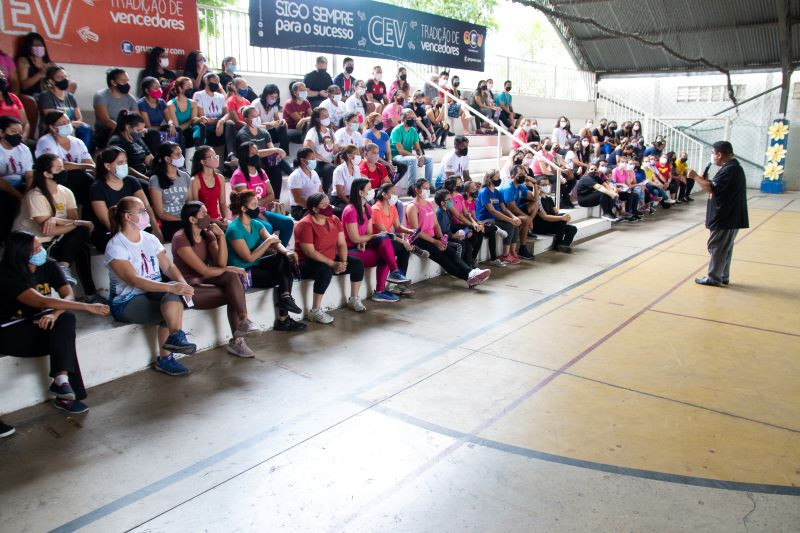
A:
(35, 323)
(347, 171)
(78, 163)
(129, 135)
(268, 263)
(417, 105)
(187, 116)
(663, 170)
(303, 182)
(490, 208)
(323, 254)
(208, 185)
(458, 238)
(521, 134)
(201, 255)
(195, 68)
(49, 211)
(490, 231)
(393, 113)
(158, 67)
(625, 179)
(456, 109)
(136, 261)
(594, 189)
(153, 110)
(297, 112)
(32, 63)
(579, 157)
(372, 169)
(400, 84)
(386, 218)
(373, 132)
(112, 183)
(250, 176)
(229, 74)
(464, 219)
(272, 159)
(219, 124)
(11, 106)
(236, 100)
(562, 133)
(349, 133)
(421, 215)
(269, 110)
(654, 184)
(320, 139)
(58, 98)
(357, 102)
(335, 106)
(109, 103)
(169, 188)
(548, 221)
(437, 117)
(373, 248)
(16, 172)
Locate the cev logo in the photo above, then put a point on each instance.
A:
(385, 31)
(126, 47)
(473, 39)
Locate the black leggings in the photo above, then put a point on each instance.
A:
(280, 138)
(631, 200)
(322, 274)
(275, 178)
(563, 232)
(325, 173)
(74, 247)
(402, 255)
(447, 259)
(594, 198)
(686, 188)
(170, 228)
(28, 340)
(471, 247)
(490, 234)
(273, 271)
(79, 182)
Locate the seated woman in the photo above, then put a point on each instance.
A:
(323, 254)
(169, 188)
(421, 122)
(208, 185)
(481, 103)
(372, 169)
(437, 117)
(195, 67)
(273, 160)
(357, 102)
(136, 261)
(393, 113)
(220, 129)
(297, 112)
(159, 126)
(624, 178)
(111, 184)
(129, 135)
(373, 248)
(459, 238)
(36, 324)
(549, 222)
(48, 211)
(268, 263)
(303, 182)
(187, 116)
(16, 172)
(420, 215)
(373, 132)
(320, 139)
(236, 99)
(109, 103)
(158, 67)
(251, 176)
(347, 171)
(269, 110)
(468, 214)
(228, 74)
(594, 189)
(463, 221)
(349, 133)
(457, 109)
(78, 163)
(11, 106)
(201, 255)
(490, 208)
(334, 106)
(58, 98)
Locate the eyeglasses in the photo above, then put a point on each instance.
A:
(214, 157)
(138, 213)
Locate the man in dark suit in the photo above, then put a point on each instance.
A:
(726, 212)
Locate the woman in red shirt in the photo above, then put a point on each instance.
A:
(208, 185)
(11, 106)
(375, 172)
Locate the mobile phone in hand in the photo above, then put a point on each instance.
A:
(188, 301)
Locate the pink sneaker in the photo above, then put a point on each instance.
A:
(511, 259)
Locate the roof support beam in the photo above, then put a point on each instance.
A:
(683, 31)
(785, 38)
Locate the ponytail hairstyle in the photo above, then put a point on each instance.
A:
(488, 177)
(116, 213)
(160, 166)
(44, 163)
(180, 81)
(315, 122)
(127, 118)
(414, 189)
(370, 120)
(107, 156)
(240, 199)
(197, 159)
(190, 209)
(303, 154)
(355, 197)
(343, 156)
(383, 189)
(243, 153)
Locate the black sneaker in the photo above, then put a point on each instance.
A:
(689, 199)
(564, 248)
(63, 391)
(289, 324)
(287, 303)
(71, 406)
(6, 430)
(524, 253)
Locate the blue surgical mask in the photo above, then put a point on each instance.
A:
(312, 164)
(38, 258)
(354, 126)
(243, 92)
(302, 95)
(231, 68)
(136, 136)
(121, 171)
(65, 130)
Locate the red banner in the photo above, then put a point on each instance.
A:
(103, 32)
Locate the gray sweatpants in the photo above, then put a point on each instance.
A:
(720, 247)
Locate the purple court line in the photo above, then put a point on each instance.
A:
(736, 259)
(766, 330)
(480, 428)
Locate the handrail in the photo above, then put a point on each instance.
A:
(500, 129)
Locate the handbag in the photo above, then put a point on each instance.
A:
(453, 110)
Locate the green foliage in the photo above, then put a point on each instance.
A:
(474, 11)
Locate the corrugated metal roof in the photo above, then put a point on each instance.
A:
(734, 34)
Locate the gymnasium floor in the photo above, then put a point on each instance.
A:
(602, 391)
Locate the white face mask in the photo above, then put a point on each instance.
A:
(179, 162)
(325, 122)
(393, 199)
(361, 91)
(426, 193)
(337, 98)
(371, 195)
(663, 160)
(602, 170)
(545, 189)
(357, 160)
(631, 166)
(164, 62)
(490, 86)
(563, 124)
(585, 143)
(255, 122)
(378, 76)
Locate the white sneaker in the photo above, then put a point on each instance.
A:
(246, 328)
(354, 303)
(498, 263)
(319, 315)
(478, 276)
(239, 348)
(501, 233)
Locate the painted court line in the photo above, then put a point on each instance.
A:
(736, 259)
(766, 330)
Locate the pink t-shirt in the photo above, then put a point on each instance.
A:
(539, 166)
(470, 205)
(7, 65)
(349, 216)
(257, 183)
(426, 218)
(458, 203)
(620, 175)
(522, 135)
(392, 111)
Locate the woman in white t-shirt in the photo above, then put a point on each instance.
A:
(78, 162)
(320, 139)
(349, 133)
(16, 165)
(269, 110)
(303, 182)
(136, 260)
(343, 176)
(334, 106)
(355, 103)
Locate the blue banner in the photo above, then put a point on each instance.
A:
(367, 29)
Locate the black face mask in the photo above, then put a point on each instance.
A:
(461, 152)
(520, 180)
(378, 126)
(548, 147)
(62, 85)
(252, 213)
(254, 160)
(460, 189)
(508, 88)
(125, 88)
(349, 69)
(3, 85)
(456, 83)
(213, 87)
(684, 159)
(438, 106)
(410, 122)
(403, 77)
(14, 140)
(483, 87)
(323, 69)
(517, 161)
(496, 182)
(473, 194)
